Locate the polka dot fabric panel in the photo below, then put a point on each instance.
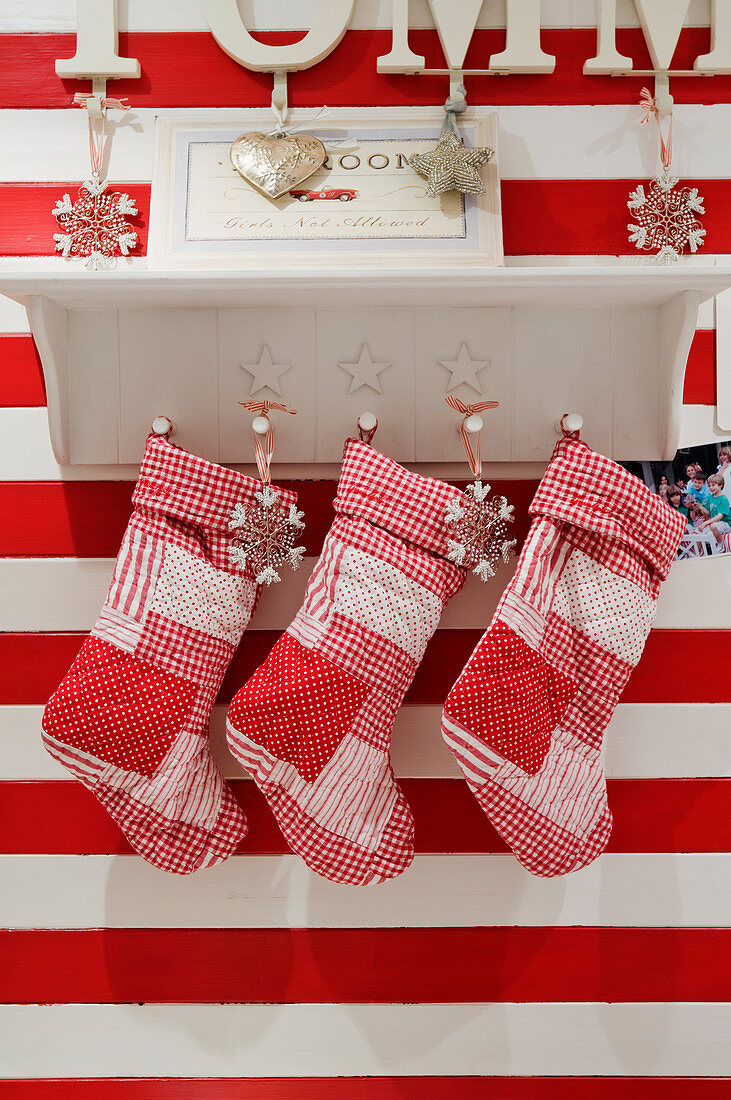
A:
(604, 607)
(130, 720)
(511, 697)
(119, 709)
(579, 609)
(380, 597)
(193, 593)
(310, 706)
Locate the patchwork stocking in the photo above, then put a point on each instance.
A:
(527, 715)
(313, 724)
(130, 720)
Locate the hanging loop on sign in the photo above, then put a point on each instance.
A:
(262, 428)
(455, 104)
(467, 429)
(570, 425)
(279, 99)
(367, 426)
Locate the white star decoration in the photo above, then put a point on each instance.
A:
(464, 369)
(265, 373)
(365, 372)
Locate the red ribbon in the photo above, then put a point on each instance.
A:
(264, 451)
(96, 144)
(666, 148)
(473, 456)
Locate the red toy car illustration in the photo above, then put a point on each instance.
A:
(342, 193)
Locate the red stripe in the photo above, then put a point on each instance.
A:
(21, 376)
(188, 69)
(540, 217)
(27, 224)
(371, 1088)
(700, 373)
(364, 965)
(650, 815)
(86, 519)
(32, 666)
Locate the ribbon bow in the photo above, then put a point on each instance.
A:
(647, 102)
(97, 143)
(264, 451)
(473, 455)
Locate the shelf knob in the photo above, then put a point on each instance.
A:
(367, 421)
(162, 426)
(260, 425)
(474, 424)
(571, 422)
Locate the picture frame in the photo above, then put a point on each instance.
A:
(205, 215)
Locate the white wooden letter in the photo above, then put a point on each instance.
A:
(329, 25)
(608, 58)
(662, 22)
(401, 58)
(523, 53)
(96, 44)
(719, 59)
(455, 21)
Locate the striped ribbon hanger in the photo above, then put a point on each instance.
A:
(264, 451)
(97, 141)
(474, 456)
(647, 100)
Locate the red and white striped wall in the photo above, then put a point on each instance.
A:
(466, 977)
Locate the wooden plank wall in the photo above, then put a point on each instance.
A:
(466, 977)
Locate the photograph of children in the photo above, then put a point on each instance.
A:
(697, 483)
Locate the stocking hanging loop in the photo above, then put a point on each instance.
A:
(262, 427)
(469, 427)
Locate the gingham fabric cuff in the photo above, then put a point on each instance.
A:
(376, 489)
(192, 489)
(592, 492)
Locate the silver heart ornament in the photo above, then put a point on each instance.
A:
(275, 163)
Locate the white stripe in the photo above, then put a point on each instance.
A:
(658, 890)
(67, 594)
(593, 1039)
(25, 452)
(644, 741)
(187, 15)
(606, 142)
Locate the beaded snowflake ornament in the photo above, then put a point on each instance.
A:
(264, 536)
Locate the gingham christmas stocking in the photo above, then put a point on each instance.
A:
(527, 715)
(130, 720)
(313, 724)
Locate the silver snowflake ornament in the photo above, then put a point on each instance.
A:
(264, 535)
(95, 226)
(479, 529)
(665, 218)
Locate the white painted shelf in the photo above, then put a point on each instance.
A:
(608, 342)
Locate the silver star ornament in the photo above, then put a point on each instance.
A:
(452, 166)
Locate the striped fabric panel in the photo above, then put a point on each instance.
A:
(135, 574)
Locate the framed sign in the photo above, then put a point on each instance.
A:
(365, 202)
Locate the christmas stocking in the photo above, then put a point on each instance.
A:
(313, 724)
(130, 720)
(527, 715)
